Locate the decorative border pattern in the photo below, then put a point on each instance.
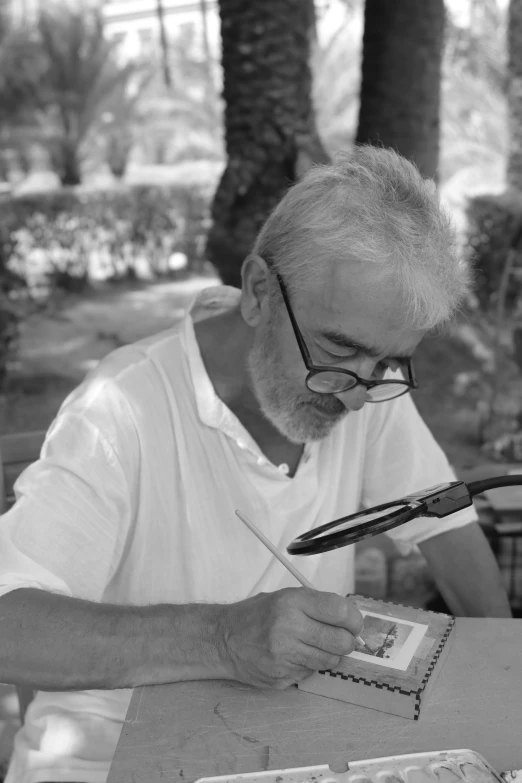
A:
(436, 655)
(417, 692)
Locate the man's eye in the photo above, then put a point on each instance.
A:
(348, 353)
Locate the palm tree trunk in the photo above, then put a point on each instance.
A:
(270, 131)
(514, 35)
(401, 75)
(66, 160)
(160, 13)
(212, 100)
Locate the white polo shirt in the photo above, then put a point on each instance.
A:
(133, 500)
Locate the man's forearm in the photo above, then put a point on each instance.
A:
(466, 573)
(53, 642)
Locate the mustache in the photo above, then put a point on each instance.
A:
(327, 403)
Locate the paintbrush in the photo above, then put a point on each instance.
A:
(287, 564)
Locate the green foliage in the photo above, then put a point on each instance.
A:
(183, 121)
(118, 149)
(493, 220)
(336, 83)
(474, 110)
(56, 240)
(480, 48)
(12, 288)
(60, 237)
(82, 79)
(474, 125)
(20, 70)
(506, 448)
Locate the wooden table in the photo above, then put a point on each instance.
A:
(189, 730)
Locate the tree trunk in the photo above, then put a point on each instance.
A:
(65, 161)
(270, 131)
(160, 13)
(514, 35)
(211, 92)
(401, 75)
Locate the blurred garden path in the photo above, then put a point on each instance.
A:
(70, 340)
(61, 343)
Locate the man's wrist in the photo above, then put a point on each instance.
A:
(185, 642)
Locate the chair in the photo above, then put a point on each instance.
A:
(16, 453)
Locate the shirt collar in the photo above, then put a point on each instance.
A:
(211, 409)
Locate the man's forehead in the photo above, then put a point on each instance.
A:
(357, 310)
(340, 291)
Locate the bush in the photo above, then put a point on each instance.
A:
(11, 288)
(59, 239)
(506, 448)
(64, 237)
(493, 220)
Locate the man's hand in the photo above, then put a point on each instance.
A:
(277, 639)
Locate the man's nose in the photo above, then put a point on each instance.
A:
(353, 399)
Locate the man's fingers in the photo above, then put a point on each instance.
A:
(318, 660)
(277, 639)
(298, 674)
(331, 639)
(332, 609)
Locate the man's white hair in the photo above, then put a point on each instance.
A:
(371, 206)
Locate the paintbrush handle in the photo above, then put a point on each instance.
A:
(282, 559)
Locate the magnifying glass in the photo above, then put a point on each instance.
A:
(438, 501)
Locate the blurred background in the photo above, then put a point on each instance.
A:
(143, 142)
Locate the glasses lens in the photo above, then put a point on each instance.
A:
(330, 382)
(336, 382)
(371, 518)
(386, 391)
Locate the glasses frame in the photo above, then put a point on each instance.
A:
(315, 369)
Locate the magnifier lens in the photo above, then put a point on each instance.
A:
(355, 528)
(368, 518)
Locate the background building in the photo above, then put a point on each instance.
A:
(136, 24)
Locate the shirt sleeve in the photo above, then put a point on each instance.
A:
(68, 526)
(402, 457)
(214, 300)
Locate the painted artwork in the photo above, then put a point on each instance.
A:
(389, 641)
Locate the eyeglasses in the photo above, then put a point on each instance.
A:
(334, 380)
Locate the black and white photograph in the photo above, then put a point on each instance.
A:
(389, 641)
(259, 260)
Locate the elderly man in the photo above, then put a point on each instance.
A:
(122, 562)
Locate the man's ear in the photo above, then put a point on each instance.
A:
(254, 299)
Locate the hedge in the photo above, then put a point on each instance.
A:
(493, 221)
(54, 239)
(62, 234)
